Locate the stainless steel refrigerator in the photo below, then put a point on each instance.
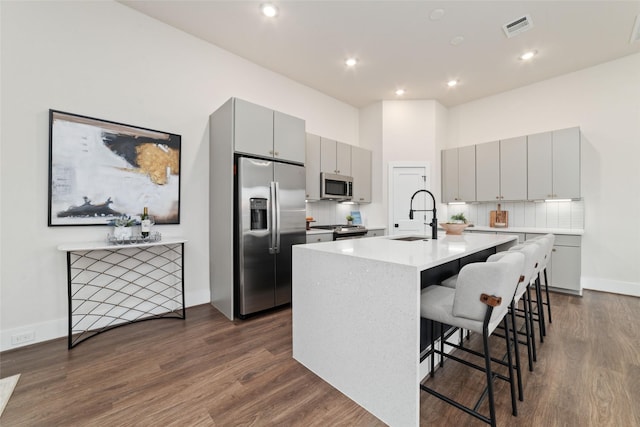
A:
(270, 218)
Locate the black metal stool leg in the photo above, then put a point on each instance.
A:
(546, 290)
(487, 362)
(540, 309)
(532, 325)
(433, 350)
(516, 350)
(514, 405)
(527, 327)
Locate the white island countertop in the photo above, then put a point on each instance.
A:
(421, 254)
(356, 314)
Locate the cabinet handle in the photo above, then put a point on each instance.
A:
(361, 198)
(553, 250)
(497, 197)
(276, 153)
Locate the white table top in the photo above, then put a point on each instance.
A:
(418, 253)
(90, 246)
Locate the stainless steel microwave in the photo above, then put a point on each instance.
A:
(336, 187)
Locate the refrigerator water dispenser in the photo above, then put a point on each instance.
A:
(258, 213)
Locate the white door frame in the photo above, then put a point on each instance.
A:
(390, 198)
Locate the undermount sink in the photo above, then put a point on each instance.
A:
(410, 238)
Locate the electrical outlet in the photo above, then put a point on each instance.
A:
(22, 338)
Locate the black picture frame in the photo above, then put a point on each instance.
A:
(99, 169)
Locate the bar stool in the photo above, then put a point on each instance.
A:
(536, 283)
(532, 254)
(549, 240)
(476, 304)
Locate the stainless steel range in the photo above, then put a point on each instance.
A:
(343, 231)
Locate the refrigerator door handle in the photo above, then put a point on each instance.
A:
(277, 247)
(272, 220)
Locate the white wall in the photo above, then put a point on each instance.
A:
(605, 102)
(105, 60)
(410, 133)
(371, 138)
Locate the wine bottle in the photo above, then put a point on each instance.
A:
(145, 223)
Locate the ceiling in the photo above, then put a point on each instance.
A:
(398, 45)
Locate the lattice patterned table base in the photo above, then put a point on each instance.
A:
(111, 287)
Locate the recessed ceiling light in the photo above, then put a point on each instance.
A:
(452, 83)
(436, 14)
(269, 10)
(400, 92)
(457, 40)
(528, 55)
(351, 62)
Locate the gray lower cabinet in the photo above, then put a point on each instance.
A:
(565, 266)
(319, 237)
(374, 232)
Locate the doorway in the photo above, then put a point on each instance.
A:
(405, 178)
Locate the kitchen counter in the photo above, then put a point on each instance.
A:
(316, 231)
(356, 315)
(530, 230)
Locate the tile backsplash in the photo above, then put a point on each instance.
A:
(327, 212)
(568, 214)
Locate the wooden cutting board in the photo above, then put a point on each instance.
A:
(499, 218)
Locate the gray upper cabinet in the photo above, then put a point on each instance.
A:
(566, 163)
(361, 172)
(513, 168)
(554, 165)
(266, 133)
(459, 174)
(288, 137)
(488, 171)
(253, 128)
(335, 157)
(501, 170)
(535, 167)
(312, 167)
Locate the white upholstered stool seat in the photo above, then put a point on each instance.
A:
(479, 302)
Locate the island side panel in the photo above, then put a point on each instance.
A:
(356, 325)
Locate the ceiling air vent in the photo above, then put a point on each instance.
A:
(518, 26)
(635, 34)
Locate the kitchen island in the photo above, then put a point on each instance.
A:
(356, 314)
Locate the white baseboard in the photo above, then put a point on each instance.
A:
(42, 331)
(613, 286)
(58, 328)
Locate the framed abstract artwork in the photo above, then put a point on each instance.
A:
(99, 170)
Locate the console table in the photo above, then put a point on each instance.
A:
(115, 285)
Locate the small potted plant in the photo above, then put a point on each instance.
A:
(458, 219)
(456, 225)
(349, 220)
(123, 227)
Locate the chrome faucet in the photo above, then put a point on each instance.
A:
(434, 220)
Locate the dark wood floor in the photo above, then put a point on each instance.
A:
(207, 371)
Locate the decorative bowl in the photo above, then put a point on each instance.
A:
(453, 228)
